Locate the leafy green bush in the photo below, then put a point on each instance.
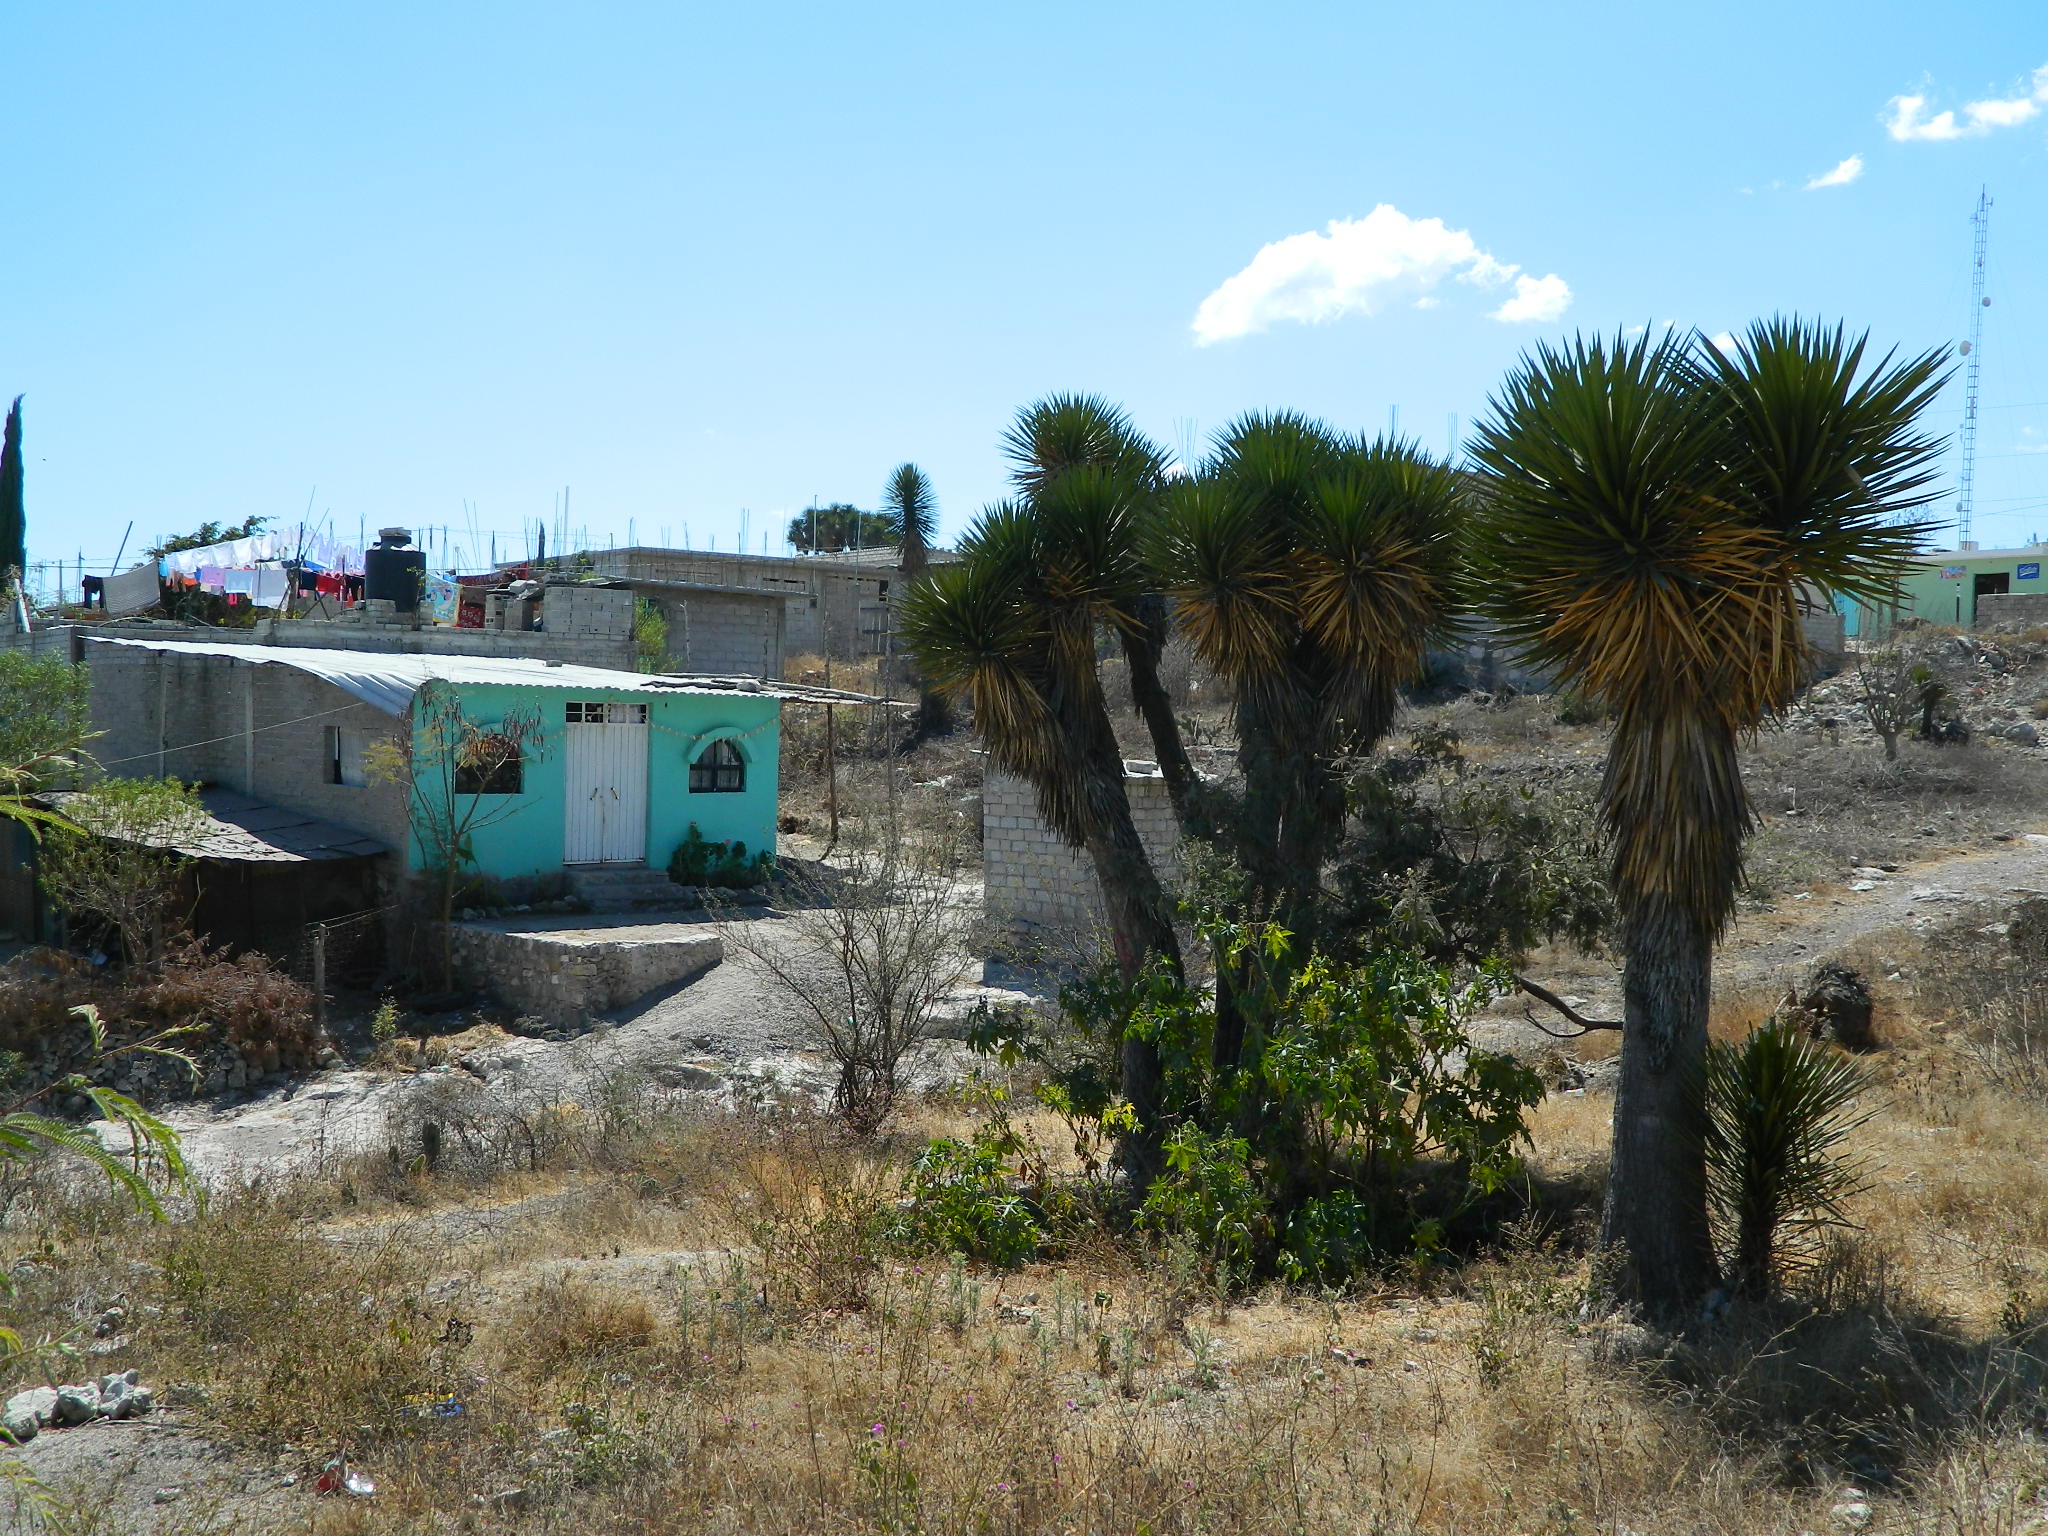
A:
(962, 1200)
(1362, 1122)
(726, 866)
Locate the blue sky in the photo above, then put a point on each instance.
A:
(690, 259)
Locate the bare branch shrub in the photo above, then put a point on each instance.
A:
(866, 949)
(1889, 687)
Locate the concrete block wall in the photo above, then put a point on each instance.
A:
(1034, 883)
(2012, 611)
(727, 634)
(576, 611)
(260, 730)
(841, 609)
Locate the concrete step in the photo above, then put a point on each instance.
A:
(623, 887)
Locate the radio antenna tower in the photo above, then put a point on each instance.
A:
(1966, 476)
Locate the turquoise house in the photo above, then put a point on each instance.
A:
(613, 768)
(616, 775)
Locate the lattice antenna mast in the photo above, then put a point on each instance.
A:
(1966, 478)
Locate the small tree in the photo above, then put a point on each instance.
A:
(460, 775)
(1778, 1108)
(123, 862)
(650, 635)
(1890, 687)
(43, 730)
(866, 952)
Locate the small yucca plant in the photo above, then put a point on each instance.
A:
(1778, 1107)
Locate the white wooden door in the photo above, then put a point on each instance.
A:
(606, 778)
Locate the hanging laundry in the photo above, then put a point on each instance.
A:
(270, 586)
(242, 583)
(213, 578)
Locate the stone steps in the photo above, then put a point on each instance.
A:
(623, 887)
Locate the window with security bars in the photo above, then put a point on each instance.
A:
(719, 770)
(597, 712)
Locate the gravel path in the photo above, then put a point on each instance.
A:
(1771, 950)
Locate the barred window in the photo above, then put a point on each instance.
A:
(719, 770)
(597, 712)
(493, 767)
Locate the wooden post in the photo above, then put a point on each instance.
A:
(320, 979)
(831, 778)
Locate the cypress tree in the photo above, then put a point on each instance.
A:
(13, 516)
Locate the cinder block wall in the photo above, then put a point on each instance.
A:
(1034, 883)
(259, 730)
(726, 634)
(2012, 611)
(843, 609)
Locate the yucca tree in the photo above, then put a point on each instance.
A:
(1654, 508)
(1310, 570)
(1776, 1110)
(913, 509)
(910, 504)
(1061, 433)
(1011, 631)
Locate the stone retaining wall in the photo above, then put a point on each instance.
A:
(565, 975)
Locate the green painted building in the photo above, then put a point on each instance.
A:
(616, 768)
(1943, 587)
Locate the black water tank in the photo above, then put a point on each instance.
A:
(393, 572)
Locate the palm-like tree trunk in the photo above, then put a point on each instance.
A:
(1142, 652)
(1656, 1211)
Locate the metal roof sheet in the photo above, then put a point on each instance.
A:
(388, 680)
(251, 832)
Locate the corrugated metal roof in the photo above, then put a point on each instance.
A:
(250, 832)
(388, 680)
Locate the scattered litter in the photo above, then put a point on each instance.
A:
(335, 1477)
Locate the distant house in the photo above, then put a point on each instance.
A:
(1966, 588)
(840, 604)
(623, 763)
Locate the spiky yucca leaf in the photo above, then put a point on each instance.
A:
(1776, 1110)
(1825, 450)
(1064, 432)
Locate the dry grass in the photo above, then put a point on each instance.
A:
(671, 1322)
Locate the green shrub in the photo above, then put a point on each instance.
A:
(1361, 1124)
(962, 1200)
(725, 866)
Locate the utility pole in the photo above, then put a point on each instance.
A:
(1966, 474)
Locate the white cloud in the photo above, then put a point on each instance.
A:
(1724, 342)
(1358, 267)
(1840, 176)
(1537, 301)
(2030, 441)
(1906, 117)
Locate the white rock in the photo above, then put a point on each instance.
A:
(76, 1404)
(1852, 1512)
(38, 1401)
(19, 1425)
